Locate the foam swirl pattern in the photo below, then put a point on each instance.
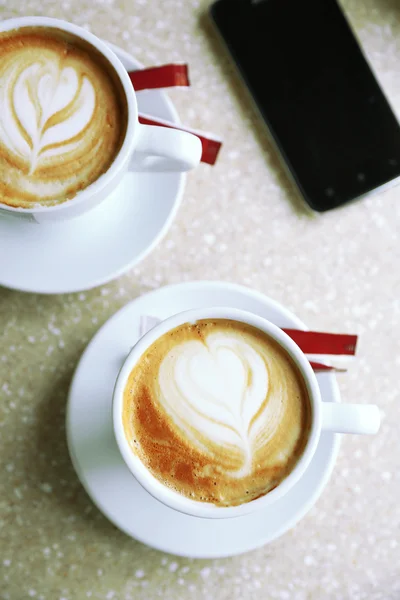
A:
(217, 411)
(62, 120)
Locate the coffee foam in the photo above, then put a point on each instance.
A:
(217, 411)
(63, 116)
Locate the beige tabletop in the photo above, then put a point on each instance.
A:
(239, 222)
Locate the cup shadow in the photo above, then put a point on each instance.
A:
(389, 6)
(248, 111)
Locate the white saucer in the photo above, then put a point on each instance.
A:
(107, 241)
(103, 473)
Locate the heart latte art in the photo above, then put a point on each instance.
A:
(62, 117)
(218, 411)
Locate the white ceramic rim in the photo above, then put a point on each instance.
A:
(128, 145)
(168, 496)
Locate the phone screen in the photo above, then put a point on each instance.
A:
(316, 92)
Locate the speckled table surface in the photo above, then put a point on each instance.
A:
(239, 222)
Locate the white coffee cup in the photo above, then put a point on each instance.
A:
(343, 418)
(145, 147)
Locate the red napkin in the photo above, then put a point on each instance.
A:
(164, 76)
(310, 342)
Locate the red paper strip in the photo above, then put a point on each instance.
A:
(321, 368)
(211, 146)
(165, 76)
(313, 342)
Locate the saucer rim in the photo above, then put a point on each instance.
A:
(48, 290)
(297, 515)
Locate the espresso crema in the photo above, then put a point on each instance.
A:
(63, 116)
(218, 411)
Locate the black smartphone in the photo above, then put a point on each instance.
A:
(315, 90)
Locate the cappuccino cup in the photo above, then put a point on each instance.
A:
(218, 413)
(69, 126)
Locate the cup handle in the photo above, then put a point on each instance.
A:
(350, 418)
(164, 149)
